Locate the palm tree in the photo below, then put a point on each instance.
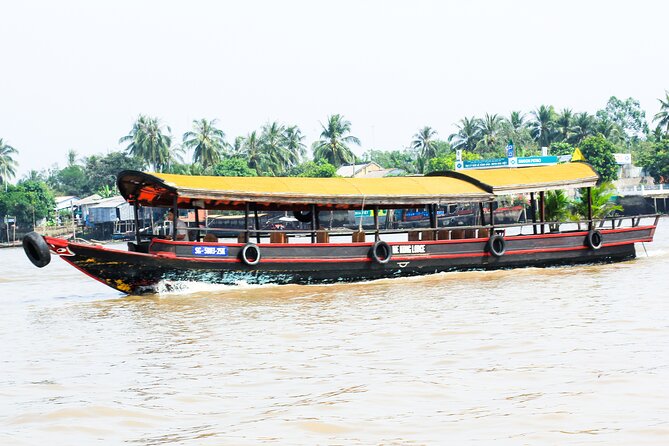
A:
(490, 127)
(148, 142)
(296, 148)
(273, 141)
(468, 134)
(333, 143)
(584, 126)
(251, 149)
(663, 115)
(207, 142)
(563, 123)
(517, 120)
(7, 163)
(543, 125)
(425, 144)
(556, 208)
(602, 202)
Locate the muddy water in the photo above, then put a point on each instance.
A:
(574, 355)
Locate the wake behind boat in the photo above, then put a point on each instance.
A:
(327, 256)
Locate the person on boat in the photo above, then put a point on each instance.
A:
(181, 228)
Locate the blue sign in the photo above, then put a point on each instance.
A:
(509, 151)
(218, 251)
(537, 160)
(486, 164)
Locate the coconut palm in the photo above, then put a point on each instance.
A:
(583, 126)
(517, 120)
(425, 144)
(296, 148)
(542, 126)
(662, 117)
(333, 143)
(148, 142)
(251, 149)
(468, 134)
(490, 128)
(206, 141)
(563, 123)
(273, 142)
(556, 207)
(7, 163)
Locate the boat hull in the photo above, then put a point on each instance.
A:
(135, 273)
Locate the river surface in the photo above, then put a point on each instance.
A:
(574, 355)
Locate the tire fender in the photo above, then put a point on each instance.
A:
(250, 254)
(496, 245)
(36, 249)
(594, 239)
(381, 252)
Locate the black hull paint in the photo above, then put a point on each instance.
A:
(133, 273)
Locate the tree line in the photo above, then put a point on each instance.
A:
(278, 149)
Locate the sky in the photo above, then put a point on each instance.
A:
(76, 74)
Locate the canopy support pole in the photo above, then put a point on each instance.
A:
(589, 194)
(481, 219)
(175, 211)
(533, 209)
(313, 223)
(246, 222)
(492, 218)
(433, 220)
(197, 225)
(257, 222)
(135, 207)
(542, 210)
(376, 223)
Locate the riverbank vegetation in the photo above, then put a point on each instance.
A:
(278, 149)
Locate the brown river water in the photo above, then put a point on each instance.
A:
(573, 355)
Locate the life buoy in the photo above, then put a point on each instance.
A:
(36, 249)
(381, 252)
(250, 254)
(303, 216)
(496, 245)
(594, 239)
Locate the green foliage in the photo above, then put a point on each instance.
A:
(662, 117)
(314, 169)
(101, 170)
(602, 202)
(333, 145)
(71, 180)
(561, 148)
(556, 207)
(206, 141)
(24, 198)
(627, 115)
(447, 162)
(7, 162)
(234, 167)
(598, 152)
(148, 141)
(654, 158)
(396, 159)
(425, 144)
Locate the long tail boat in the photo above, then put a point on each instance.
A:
(322, 256)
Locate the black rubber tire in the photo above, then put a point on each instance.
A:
(253, 259)
(496, 245)
(377, 252)
(303, 216)
(594, 239)
(36, 249)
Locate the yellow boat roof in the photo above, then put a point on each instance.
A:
(212, 192)
(521, 180)
(161, 189)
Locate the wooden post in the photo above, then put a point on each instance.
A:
(481, 219)
(313, 223)
(492, 219)
(533, 208)
(589, 194)
(542, 210)
(197, 225)
(376, 223)
(246, 222)
(257, 222)
(136, 210)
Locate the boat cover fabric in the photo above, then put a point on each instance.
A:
(522, 180)
(160, 189)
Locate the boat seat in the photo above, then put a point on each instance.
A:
(484, 233)
(427, 235)
(359, 237)
(414, 236)
(470, 233)
(322, 236)
(443, 234)
(209, 237)
(457, 234)
(278, 237)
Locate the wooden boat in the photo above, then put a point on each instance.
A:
(327, 256)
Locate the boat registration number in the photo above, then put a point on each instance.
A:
(408, 249)
(210, 251)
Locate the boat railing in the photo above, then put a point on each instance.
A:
(521, 228)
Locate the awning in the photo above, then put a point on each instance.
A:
(523, 180)
(159, 189)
